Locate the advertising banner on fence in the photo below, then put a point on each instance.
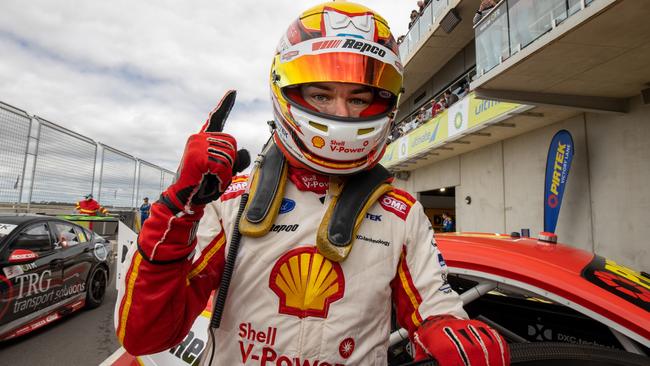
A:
(558, 163)
(466, 114)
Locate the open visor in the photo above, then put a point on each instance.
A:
(339, 59)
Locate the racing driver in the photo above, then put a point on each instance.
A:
(300, 293)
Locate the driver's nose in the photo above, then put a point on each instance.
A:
(341, 107)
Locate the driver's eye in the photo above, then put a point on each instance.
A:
(359, 101)
(321, 98)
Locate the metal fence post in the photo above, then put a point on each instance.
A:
(92, 184)
(138, 164)
(101, 171)
(22, 176)
(31, 183)
(134, 198)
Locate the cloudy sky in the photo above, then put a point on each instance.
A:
(142, 75)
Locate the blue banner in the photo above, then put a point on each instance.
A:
(558, 163)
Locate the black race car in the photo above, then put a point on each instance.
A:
(50, 268)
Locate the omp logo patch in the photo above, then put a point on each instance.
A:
(236, 188)
(306, 283)
(398, 202)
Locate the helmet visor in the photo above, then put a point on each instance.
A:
(339, 59)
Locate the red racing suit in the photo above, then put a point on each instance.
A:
(90, 207)
(287, 304)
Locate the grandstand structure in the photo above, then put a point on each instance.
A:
(534, 68)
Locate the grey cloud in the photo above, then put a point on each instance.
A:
(142, 76)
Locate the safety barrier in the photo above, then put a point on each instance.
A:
(44, 163)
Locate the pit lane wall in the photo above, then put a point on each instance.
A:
(606, 208)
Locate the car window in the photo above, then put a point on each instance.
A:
(82, 236)
(5, 229)
(89, 234)
(66, 235)
(35, 237)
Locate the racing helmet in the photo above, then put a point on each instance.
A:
(338, 42)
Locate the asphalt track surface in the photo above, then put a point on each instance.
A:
(86, 337)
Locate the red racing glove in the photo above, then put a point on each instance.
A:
(459, 342)
(206, 167)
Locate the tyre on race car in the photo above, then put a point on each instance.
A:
(564, 354)
(567, 354)
(96, 285)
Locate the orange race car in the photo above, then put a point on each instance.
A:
(555, 304)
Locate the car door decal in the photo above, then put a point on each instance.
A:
(619, 280)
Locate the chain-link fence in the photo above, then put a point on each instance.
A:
(149, 182)
(14, 129)
(117, 178)
(65, 165)
(167, 178)
(44, 163)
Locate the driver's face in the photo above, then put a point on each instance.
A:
(338, 99)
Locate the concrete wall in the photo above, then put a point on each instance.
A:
(481, 178)
(619, 155)
(606, 206)
(524, 165)
(437, 201)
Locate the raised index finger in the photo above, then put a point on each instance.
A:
(217, 118)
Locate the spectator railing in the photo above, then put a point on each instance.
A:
(454, 87)
(514, 24)
(431, 15)
(465, 117)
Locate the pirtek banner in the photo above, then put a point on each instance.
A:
(558, 163)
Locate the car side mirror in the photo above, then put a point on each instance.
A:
(22, 256)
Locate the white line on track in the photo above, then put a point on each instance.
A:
(112, 358)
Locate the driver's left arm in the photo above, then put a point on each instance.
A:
(420, 287)
(432, 311)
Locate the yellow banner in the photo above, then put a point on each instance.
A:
(481, 111)
(467, 113)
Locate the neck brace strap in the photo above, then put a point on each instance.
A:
(266, 193)
(346, 210)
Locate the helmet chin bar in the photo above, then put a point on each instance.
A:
(329, 146)
(297, 159)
